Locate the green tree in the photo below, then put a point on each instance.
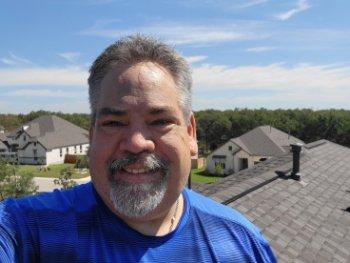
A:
(65, 179)
(13, 184)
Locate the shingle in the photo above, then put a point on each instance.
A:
(305, 220)
(54, 132)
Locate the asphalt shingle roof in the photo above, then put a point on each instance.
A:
(54, 132)
(304, 221)
(265, 141)
(2, 146)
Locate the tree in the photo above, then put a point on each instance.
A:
(65, 179)
(13, 184)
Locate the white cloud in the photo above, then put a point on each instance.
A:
(14, 60)
(34, 93)
(182, 33)
(259, 49)
(274, 76)
(251, 3)
(69, 56)
(66, 76)
(302, 5)
(193, 59)
(76, 107)
(276, 84)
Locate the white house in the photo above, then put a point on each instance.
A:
(250, 148)
(47, 139)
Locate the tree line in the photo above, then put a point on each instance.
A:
(215, 127)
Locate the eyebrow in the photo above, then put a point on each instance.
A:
(160, 110)
(119, 113)
(110, 111)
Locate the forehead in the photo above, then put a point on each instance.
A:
(143, 82)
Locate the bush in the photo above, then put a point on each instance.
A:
(218, 169)
(65, 178)
(82, 162)
(13, 184)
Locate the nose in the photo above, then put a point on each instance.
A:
(137, 140)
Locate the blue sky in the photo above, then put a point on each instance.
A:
(245, 54)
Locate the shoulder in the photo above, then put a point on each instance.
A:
(219, 214)
(58, 201)
(228, 231)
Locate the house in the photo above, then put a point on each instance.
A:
(249, 149)
(3, 146)
(305, 220)
(2, 129)
(47, 139)
(6, 149)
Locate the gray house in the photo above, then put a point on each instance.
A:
(47, 139)
(249, 149)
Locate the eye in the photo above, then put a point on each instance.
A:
(161, 122)
(112, 123)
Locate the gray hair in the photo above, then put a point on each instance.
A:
(138, 48)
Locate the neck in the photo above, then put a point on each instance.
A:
(162, 225)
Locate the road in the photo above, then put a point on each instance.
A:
(47, 184)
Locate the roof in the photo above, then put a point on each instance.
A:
(54, 132)
(265, 141)
(304, 221)
(2, 146)
(3, 137)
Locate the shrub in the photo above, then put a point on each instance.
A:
(82, 162)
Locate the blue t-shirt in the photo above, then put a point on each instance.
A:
(76, 226)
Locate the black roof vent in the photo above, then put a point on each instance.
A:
(296, 149)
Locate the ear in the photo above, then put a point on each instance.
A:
(91, 133)
(191, 130)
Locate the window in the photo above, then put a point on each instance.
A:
(34, 144)
(60, 152)
(67, 150)
(35, 153)
(24, 137)
(75, 149)
(81, 148)
(230, 148)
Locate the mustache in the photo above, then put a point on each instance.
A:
(150, 161)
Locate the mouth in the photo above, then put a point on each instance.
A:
(138, 169)
(137, 175)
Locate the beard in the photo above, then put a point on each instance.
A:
(136, 200)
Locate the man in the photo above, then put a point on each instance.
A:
(142, 137)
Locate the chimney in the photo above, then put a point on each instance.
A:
(296, 149)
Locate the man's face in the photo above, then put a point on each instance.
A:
(140, 144)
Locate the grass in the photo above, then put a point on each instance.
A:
(201, 176)
(52, 171)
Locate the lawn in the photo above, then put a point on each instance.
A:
(198, 175)
(50, 171)
(201, 176)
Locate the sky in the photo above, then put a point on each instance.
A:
(243, 54)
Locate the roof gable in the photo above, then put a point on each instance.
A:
(54, 132)
(266, 141)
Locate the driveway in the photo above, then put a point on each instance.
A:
(47, 184)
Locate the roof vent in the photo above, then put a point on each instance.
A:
(296, 149)
(347, 209)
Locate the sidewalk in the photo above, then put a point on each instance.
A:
(47, 185)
